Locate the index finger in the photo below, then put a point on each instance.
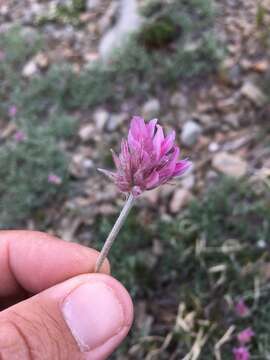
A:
(32, 261)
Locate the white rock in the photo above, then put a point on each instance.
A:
(213, 147)
(30, 69)
(92, 4)
(129, 22)
(179, 100)
(151, 109)
(188, 181)
(87, 132)
(190, 133)
(253, 93)
(116, 120)
(230, 165)
(181, 197)
(100, 118)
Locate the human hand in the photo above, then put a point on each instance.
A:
(52, 305)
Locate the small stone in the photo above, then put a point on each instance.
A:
(42, 60)
(213, 147)
(230, 165)
(80, 166)
(178, 100)
(180, 198)
(151, 109)
(100, 118)
(188, 181)
(151, 196)
(158, 248)
(232, 119)
(261, 66)
(92, 4)
(116, 120)
(30, 69)
(253, 93)
(86, 132)
(190, 133)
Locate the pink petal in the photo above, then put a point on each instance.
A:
(116, 160)
(157, 141)
(138, 128)
(168, 143)
(111, 175)
(134, 144)
(245, 336)
(181, 167)
(151, 126)
(152, 180)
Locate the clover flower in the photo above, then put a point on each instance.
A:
(241, 308)
(147, 160)
(19, 136)
(12, 111)
(245, 336)
(54, 179)
(241, 353)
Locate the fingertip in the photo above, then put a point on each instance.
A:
(34, 261)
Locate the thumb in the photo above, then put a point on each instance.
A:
(85, 317)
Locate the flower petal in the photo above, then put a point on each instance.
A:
(181, 167)
(138, 128)
(152, 180)
(168, 143)
(151, 126)
(157, 141)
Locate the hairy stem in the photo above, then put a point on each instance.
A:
(115, 230)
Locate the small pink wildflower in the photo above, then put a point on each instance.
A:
(245, 336)
(19, 136)
(241, 308)
(147, 158)
(54, 179)
(241, 353)
(12, 111)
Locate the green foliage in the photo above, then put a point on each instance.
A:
(222, 229)
(65, 13)
(159, 33)
(232, 210)
(25, 166)
(17, 47)
(134, 70)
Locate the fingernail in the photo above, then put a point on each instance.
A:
(93, 314)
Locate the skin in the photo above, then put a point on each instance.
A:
(37, 273)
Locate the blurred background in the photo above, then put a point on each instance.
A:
(195, 255)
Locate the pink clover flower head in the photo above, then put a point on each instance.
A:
(241, 353)
(241, 308)
(12, 111)
(19, 136)
(54, 179)
(147, 158)
(245, 336)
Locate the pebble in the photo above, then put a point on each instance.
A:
(230, 165)
(190, 133)
(101, 117)
(87, 132)
(213, 147)
(151, 109)
(178, 100)
(116, 120)
(30, 69)
(253, 93)
(180, 198)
